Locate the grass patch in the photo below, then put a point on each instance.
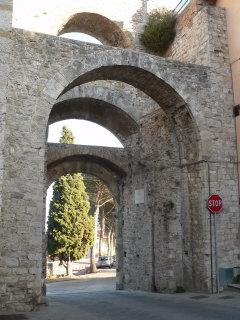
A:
(180, 289)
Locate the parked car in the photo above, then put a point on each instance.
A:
(104, 262)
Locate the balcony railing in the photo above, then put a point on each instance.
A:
(181, 6)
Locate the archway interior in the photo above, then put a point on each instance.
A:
(144, 80)
(162, 93)
(101, 112)
(97, 26)
(105, 170)
(102, 211)
(167, 135)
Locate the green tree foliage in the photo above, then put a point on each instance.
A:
(160, 30)
(70, 229)
(66, 136)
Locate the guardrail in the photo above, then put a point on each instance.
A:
(181, 6)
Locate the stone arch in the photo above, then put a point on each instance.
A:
(150, 164)
(145, 80)
(99, 27)
(101, 112)
(107, 171)
(124, 96)
(156, 77)
(153, 76)
(103, 169)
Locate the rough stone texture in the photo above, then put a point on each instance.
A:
(179, 148)
(117, 24)
(103, 29)
(117, 156)
(130, 100)
(81, 158)
(9, 261)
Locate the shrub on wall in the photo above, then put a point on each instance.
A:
(160, 30)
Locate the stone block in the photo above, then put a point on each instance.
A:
(12, 262)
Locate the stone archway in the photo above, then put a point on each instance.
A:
(112, 175)
(99, 27)
(107, 171)
(101, 112)
(162, 209)
(173, 124)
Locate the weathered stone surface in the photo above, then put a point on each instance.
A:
(175, 122)
(117, 156)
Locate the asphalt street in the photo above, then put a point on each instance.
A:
(94, 297)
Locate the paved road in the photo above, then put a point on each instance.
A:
(94, 298)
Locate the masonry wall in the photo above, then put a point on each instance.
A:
(185, 146)
(6, 261)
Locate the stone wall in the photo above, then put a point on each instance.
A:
(180, 148)
(52, 17)
(6, 262)
(201, 37)
(111, 24)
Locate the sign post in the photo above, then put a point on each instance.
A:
(215, 205)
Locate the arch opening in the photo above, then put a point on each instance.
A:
(79, 36)
(85, 133)
(156, 165)
(97, 26)
(103, 169)
(168, 99)
(102, 208)
(101, 112)
(139, 78)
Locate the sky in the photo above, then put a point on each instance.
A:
(81, 37)
(85, 132)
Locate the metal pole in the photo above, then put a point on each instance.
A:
(216, 252)
(211, 242)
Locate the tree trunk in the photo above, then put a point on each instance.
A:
(93, 249)
(68, 266)
(109, 243)
(69, 269)
(102, 235)
(92, 260)
(113, 250)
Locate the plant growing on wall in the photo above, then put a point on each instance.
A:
(160, 30)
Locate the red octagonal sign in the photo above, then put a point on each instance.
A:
(215, 203)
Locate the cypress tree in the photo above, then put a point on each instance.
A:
(70, 229)
(66, 136)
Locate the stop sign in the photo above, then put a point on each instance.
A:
(215, 203)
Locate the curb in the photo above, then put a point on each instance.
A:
(235, 286)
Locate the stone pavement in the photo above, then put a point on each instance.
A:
(94, 297)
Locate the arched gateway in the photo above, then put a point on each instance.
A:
(161, 178)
